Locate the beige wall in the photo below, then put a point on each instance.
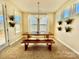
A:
(24, 22)
(1, 1)
(51, 22)
(70, 39)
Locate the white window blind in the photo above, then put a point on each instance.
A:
(33, 21)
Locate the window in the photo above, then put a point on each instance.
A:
(43, 24)
(66, 13)
(77, 8)
(2, 29)
(17, 22)
(33, 24)
(59, 17)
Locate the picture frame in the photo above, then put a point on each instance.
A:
(59, 28)
(59, 22)
(69, 21)
(11, 17)
(68, 29)
(12, 24)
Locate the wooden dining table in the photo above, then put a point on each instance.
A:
(46, 39)
(46, 35)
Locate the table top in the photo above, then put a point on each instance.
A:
(37, 34)
(38, 41)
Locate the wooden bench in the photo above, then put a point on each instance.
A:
(48, 42)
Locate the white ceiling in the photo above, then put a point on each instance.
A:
(45, 5)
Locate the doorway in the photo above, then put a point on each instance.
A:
(3, 26)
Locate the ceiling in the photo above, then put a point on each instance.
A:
(44, 6)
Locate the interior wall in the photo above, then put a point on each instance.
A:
(25, 22)
(51, 22)
(70, 39)
(12, 31)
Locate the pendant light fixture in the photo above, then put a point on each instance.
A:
(38, 19)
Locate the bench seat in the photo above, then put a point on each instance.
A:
(48, 42)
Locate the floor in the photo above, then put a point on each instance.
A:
(16, 51)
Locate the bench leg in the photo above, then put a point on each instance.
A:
(26, 46)
(50, 47)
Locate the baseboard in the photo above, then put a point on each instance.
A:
(3, 46)
(16, 40)
(68, 46)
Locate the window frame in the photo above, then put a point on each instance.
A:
(17, 13)
(36, 24)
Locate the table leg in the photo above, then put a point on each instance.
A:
(50, 47)
(26, 46)
(47, 36)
